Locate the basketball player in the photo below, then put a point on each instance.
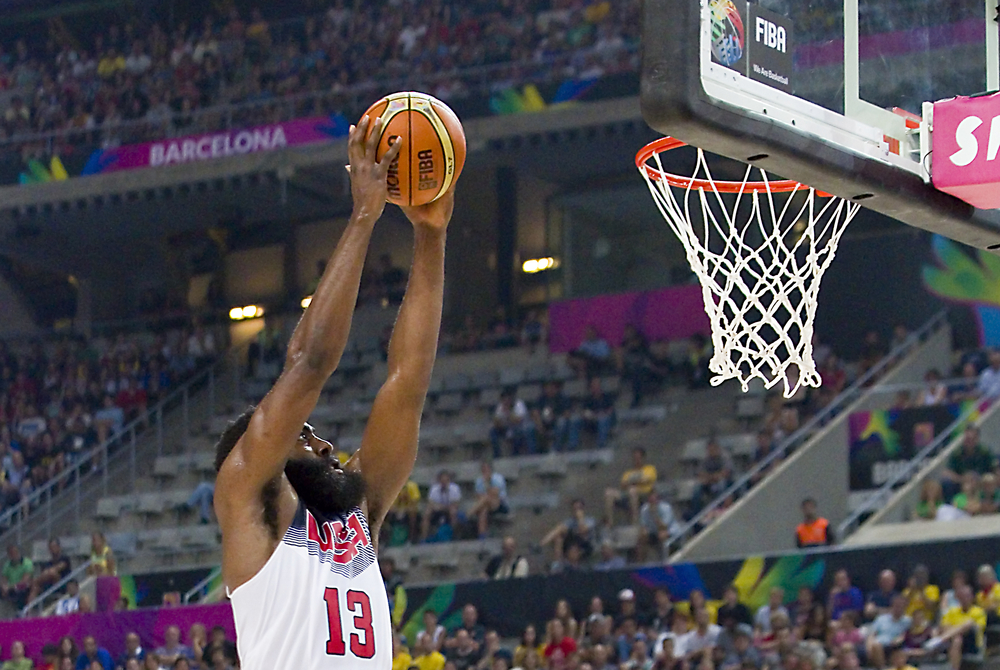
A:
(298, 527)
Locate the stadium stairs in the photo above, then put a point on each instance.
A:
(764, 519)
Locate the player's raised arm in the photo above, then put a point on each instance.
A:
(319, 340)
(389, 446)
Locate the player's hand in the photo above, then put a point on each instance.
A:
(368, 176)
(434, 215)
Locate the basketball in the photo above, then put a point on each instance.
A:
(433, 151)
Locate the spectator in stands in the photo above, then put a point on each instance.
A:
(636, 483)
(512, 425)
(661, 618)
(427, 657)
(133, 649)
(17, 660)
(50, 657)
(881, 600)
(197, 638)
(887, 631)
(920, 594)
(592, 357)
(109, 419)
(70, 602)
(699, 643)
(732, 609)
(508, 563)
(637, 364)
(201, 499)
(931, 499)
(16, 480)
(844, 597)
(988, 592)
(579, 529)
(92, 652)
(551, 415)
(152, 662)
(102, 559)
(16, 577)
(465, 653)
(172, 648)
(610, 559)
(989, 379)
(989, 502)
(442, 505)
(872, 351)
(218, 642)
(561, 647)
(715, 474)
(403, 521)
(970, 457)
(434, 631)
(491, 497)
(775, 605)
(597, 416)
(572, 560)
(766, 445)
(814, 531)
(743, 656)
(970, 497)
(529, 644)
(935, 393)
(658, 523)
(961, 629)
(54, 570)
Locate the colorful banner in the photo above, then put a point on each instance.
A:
(883, 441)
(968, 280)
(209, 146)
(110, 628)
(664, 314)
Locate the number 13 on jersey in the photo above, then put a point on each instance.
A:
(358, 604)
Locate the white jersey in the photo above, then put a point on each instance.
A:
(318, 602)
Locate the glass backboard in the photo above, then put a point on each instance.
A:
(828, 92)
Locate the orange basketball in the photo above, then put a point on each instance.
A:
(433, 151)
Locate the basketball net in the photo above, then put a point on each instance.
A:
(759, 249)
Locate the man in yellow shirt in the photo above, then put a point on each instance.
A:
(428, 658)
(988, 595)
(636, 484)
(920, 594)
(962, 629)
(405, 512)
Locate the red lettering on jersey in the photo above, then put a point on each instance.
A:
(334, 536)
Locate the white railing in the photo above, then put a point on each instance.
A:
(818, 420)
(199, 588)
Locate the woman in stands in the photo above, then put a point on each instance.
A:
(565, 615)
(102, 559)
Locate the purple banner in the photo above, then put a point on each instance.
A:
(664, 314)
(110, 628)
(236, 142)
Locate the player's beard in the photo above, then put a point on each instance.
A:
(324, 488)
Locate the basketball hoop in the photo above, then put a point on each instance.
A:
(759, 262)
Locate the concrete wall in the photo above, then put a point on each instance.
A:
(764, 520)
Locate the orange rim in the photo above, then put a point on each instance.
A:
(665, 144)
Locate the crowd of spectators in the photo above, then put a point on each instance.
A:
(168, 79)
(890, 627)
(203, 650)
(58, 401)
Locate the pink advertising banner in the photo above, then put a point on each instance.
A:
(664, 314)
(110, 628)
(209, 146)
(966, 143)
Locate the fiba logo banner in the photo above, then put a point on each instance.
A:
(728, 35)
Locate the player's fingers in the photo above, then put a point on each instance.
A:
(371, 147)
(357, 141)
(390, 156)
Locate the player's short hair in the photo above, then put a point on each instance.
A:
(231, 435)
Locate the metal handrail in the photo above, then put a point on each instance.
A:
(805, 431)
(228, 110)
(22, 512)
(40, 600)
(903, 475)
(197, 588)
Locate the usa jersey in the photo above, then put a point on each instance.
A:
(318, 602)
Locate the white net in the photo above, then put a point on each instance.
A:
(759, 253)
